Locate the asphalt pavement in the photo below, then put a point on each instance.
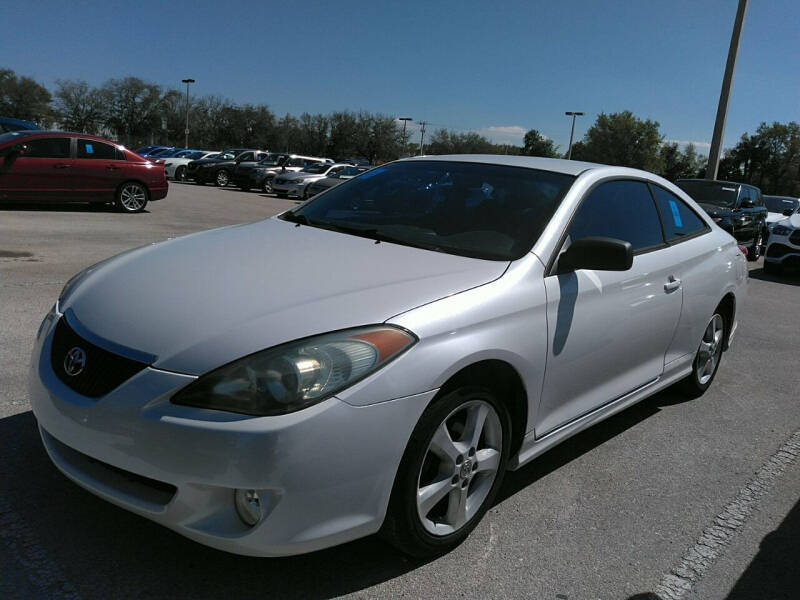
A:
(668, 499)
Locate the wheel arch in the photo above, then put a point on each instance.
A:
(727, 308)
(503, 378)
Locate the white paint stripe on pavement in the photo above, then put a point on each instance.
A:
(46, 579)
(714, 539)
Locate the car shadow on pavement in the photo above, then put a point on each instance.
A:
(788, 276)
(104, 551)
(574, 447)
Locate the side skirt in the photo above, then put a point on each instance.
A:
(533, 446)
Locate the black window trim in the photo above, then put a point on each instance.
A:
(55, 135)
(706, 229)
(551, 263)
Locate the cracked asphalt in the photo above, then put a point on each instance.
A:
(623, 510)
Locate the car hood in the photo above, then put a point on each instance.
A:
(792, 222)
(203, 300)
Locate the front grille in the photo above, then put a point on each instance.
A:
(102, 370)
(795, 237)
(778, 250)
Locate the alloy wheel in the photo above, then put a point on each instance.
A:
(222, 178)
(459, 467)
(133, 197)
(710, 350)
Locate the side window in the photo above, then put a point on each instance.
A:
(619, 209)
(246, 157)
(295, 162)
(679, 220)
(744, 196)
(95, 149)
(48, 148)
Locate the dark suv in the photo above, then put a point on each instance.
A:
(736, 207)
(219, 169)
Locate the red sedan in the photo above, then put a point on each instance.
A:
(55, 166)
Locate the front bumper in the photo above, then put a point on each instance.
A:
(293, 190)
(784, 249)
(324, 473)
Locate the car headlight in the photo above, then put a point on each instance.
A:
(781, 230)
(293, 376)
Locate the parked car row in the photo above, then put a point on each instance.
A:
(58, 166)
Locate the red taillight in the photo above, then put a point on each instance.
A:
(743, 250)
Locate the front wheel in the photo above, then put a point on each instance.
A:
(180, 173)
(222, 178)
(266, 187)
(706, 360)
(131, 197)
(450, 473)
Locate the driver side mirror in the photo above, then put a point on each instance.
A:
(747, 204)
(597, 253)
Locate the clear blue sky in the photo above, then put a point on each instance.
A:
(496, 67)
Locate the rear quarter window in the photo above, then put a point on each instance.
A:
(678, 218)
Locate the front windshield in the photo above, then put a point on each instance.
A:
(778, 204)
(316, 169)
(494, 212)
(711, 192)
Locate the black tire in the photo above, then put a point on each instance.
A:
(403, 527)
(222, 178)
(754, 250)
(131, 197)
(266, 186)
(180, 173)
(693, 385)
(772, 268)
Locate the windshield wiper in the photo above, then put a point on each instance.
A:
(295, 218)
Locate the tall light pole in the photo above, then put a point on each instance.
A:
(186, 131)
(725, 94)
(422, 136)
(572, 132)
(405, 120)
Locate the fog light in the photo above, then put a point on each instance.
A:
(248, 505)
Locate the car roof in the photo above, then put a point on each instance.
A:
(558, 165)
(710, 181)
(47, 132)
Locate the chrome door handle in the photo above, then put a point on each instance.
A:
(673, 284)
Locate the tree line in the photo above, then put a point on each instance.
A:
(135, 112)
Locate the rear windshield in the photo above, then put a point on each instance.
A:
(711, 192)
(493, 212)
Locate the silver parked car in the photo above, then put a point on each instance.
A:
(296, 185)
(375, 359)
(332, 180)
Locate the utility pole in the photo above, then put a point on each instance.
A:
(725, 94)
(572, 132)
(186, 131)
(405, 120)
(422, 136)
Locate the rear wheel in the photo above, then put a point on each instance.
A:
(754, 251)
(131, 197)
(450, 472)
(222, 178)
(706, 361)
(266, 187)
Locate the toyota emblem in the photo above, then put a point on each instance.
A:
(74, 361)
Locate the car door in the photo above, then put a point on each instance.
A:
(744, 215)
(99, 169)
(608, 331)
(40, 172)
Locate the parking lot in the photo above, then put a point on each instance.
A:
(612, 513)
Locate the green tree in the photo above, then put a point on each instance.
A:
(23, 98)
(79, 106)
(535, 144)
(621, 139)
(134, 109)
(675, 164)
